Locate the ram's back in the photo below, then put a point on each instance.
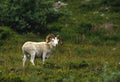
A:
(37, 47)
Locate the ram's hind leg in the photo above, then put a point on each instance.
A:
(32, 58)
(24, 60)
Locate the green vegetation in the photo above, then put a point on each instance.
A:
(69, 63)
(90, 34)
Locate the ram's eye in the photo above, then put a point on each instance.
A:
(52, 40)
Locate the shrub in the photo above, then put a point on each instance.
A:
(28, 15)
(5, 33)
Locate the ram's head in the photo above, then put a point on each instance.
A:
(53, 39)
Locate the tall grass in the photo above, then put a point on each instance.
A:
(68, 63)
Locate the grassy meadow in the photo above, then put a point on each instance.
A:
(90, 30)
(68, 63)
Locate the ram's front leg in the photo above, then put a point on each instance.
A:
(44, 55)
(47, 56)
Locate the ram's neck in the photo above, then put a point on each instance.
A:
(51, 45)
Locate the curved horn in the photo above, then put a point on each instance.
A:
(49, 36)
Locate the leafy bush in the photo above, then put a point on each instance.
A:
(113, 4)
(91, 5)
(28, 15)
(5, 33)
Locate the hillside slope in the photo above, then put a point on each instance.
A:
(89, 53)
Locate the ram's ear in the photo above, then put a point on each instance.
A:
(60, 39)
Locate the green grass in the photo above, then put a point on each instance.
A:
(91, 60)
(68, 63)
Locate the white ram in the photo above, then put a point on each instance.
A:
(39, 49)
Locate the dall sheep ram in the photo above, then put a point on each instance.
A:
(39, 49)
